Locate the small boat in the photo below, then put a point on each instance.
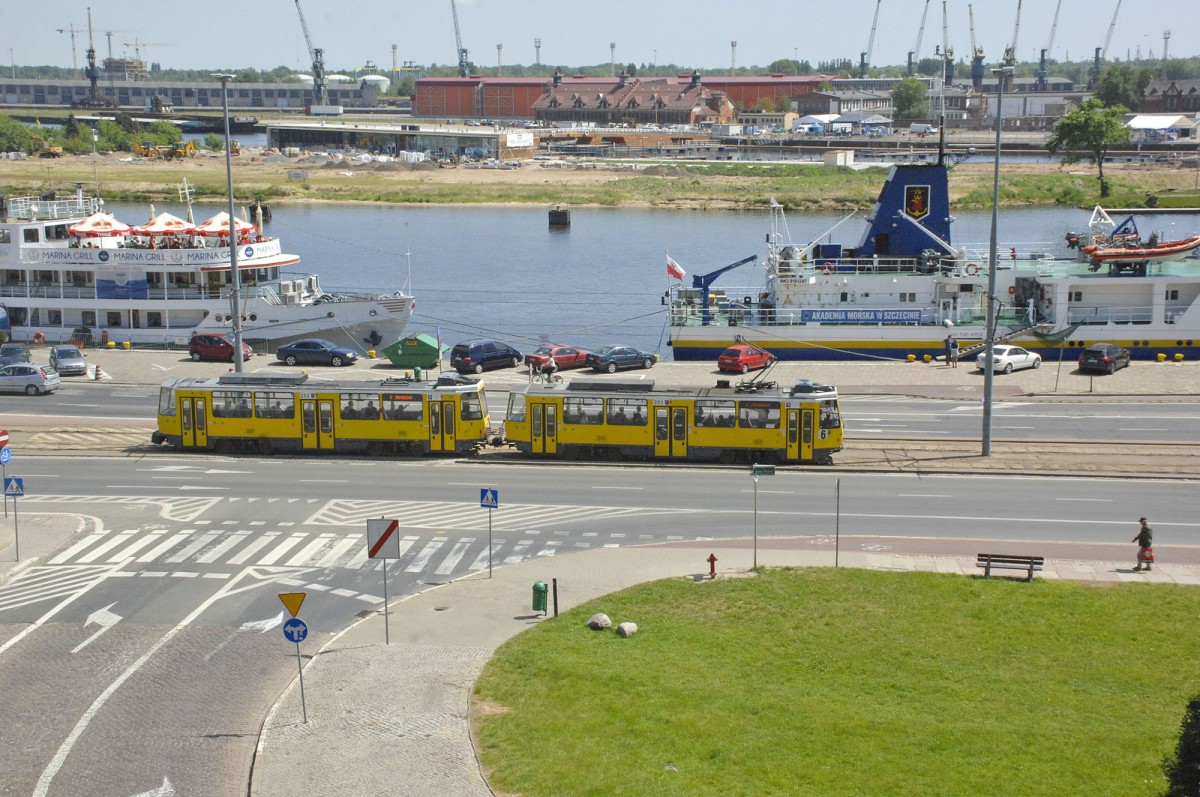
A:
(1149, 252)
(69, 272)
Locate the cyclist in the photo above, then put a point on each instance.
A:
(549, 368)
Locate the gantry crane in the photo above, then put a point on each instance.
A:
(320, 90)
(1040, 74)
(915, 56)
(464, 66)
(1102, 53)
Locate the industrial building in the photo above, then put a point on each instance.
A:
(140, 94)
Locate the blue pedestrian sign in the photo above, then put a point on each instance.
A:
(489, 498)
(5, 455)
(14, 486)
(295, 630)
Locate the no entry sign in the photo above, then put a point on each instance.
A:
(3, 438)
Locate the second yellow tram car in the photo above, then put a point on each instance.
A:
(264, 414)
(634, 420)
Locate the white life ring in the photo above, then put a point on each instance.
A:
(827, 269)
(971, 270)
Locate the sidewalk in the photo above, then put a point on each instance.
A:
(394, 719)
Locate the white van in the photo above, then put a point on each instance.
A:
(921, 129)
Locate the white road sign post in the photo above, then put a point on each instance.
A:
(383, 542)
(756, 471)
(489, 499)
(15, 486)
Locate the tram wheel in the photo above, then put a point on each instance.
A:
(728, 456)
(223, 447)
(265, 448)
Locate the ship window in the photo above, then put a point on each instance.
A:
(31, 235)
(1172, 295)
(5, 238)
(845, 297)
(1075, 296)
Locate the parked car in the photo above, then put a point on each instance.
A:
(68, 360)
(477, 356)
(743, 358)
(14, 353)
(215, 347)
(564, 356)
(1104, 357)
(612, 358)
(315, 351)
(1009, 359)
(28, 378)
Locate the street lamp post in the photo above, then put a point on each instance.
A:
(236, 278)
(989, 373)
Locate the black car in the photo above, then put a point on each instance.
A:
(315, 352)
(477, 356)
(1104, 357)
(612, 358)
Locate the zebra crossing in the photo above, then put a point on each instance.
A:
(44, 583)
(458, 516)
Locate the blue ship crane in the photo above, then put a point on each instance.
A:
(703, 282)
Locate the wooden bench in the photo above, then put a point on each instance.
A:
(1004, 561)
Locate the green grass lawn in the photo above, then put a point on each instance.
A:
(846, 682)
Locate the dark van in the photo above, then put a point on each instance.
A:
(477, 356)
(1104, 357)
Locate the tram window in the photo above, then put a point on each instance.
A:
(516, 408)
(310, 420)
(715, 412)
(326, 417)
(402, 407)
(758, 414)
(231, 403)
(269, 404)
(583, 410)
(627, 412)
(831, 416)
(471, 410)
(359, 407)
(660, 424)
(166, 401)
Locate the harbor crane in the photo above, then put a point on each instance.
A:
(947, 50)
(94, 99)
(320, 90)
(1040, 74)
(976, 52)
(914, 57)
(1102, 53)
(464, 64)
(865, 58)
(1010, 52)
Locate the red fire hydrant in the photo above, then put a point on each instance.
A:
(712, 565)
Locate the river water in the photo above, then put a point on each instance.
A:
(500, 272)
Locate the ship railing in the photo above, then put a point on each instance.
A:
(859, 265)
(35, 207)
(1104, 315)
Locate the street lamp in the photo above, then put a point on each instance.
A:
(236, 287)
(989, 373)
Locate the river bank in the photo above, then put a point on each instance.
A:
(699, 186)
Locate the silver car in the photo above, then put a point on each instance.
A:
(28, 378)
(68, 361)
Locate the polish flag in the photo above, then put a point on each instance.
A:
(674, 269)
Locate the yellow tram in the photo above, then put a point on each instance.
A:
(634, 420)
(264, 414)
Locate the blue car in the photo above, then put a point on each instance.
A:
(315, 352)
(612, 358)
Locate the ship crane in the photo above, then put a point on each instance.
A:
(1040, 74)
(464, 67)
(915, 56)
(702, 282)
(1102, 53)
(865, 59)
(320, 90)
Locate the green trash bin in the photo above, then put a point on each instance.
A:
(417, 373)
(539, 596)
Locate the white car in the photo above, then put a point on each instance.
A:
(1009, 359)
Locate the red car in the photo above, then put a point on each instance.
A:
(564, 356)
(743, 358)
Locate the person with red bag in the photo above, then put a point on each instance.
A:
(1144, 539)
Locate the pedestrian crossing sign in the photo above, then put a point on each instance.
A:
(489, 498)
(14, 486)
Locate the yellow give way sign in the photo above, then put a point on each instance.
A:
(293, 601)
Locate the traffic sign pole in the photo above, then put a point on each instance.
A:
(383, 542)
(489, 499)
(295, 630)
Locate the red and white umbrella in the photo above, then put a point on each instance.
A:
(99, 225)
(219, 225)
(165, 224)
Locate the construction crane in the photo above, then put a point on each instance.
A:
(94, 98)
(137, 46)
(74, 54)
(1040, 74)
(1102, 53)
(464, 66)
(320, 90)
(915, 56)
(947, 50)
(865, 58)
(976, 52)
(1010, 52)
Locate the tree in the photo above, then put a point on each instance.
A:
(1123, 84)
(909, 98)
(1183, 768)
(1090, 131)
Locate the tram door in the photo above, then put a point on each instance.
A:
(808, 422)
(670, 432)
(195, 427)
(793, 435)
(441, 426)
(317, 423)
(544, 427)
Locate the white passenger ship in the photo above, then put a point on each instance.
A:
(70, 272)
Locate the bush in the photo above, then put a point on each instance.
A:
(1183, 768)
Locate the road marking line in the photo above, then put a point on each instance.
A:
(192, 547)
(100, 550)
(253, 547)
(162, 548)
(128, 551)
(453, 558)
(309, 550)
(338, 551)
(66, 555)
(218, 550)
(279, 550)
(422, 558)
